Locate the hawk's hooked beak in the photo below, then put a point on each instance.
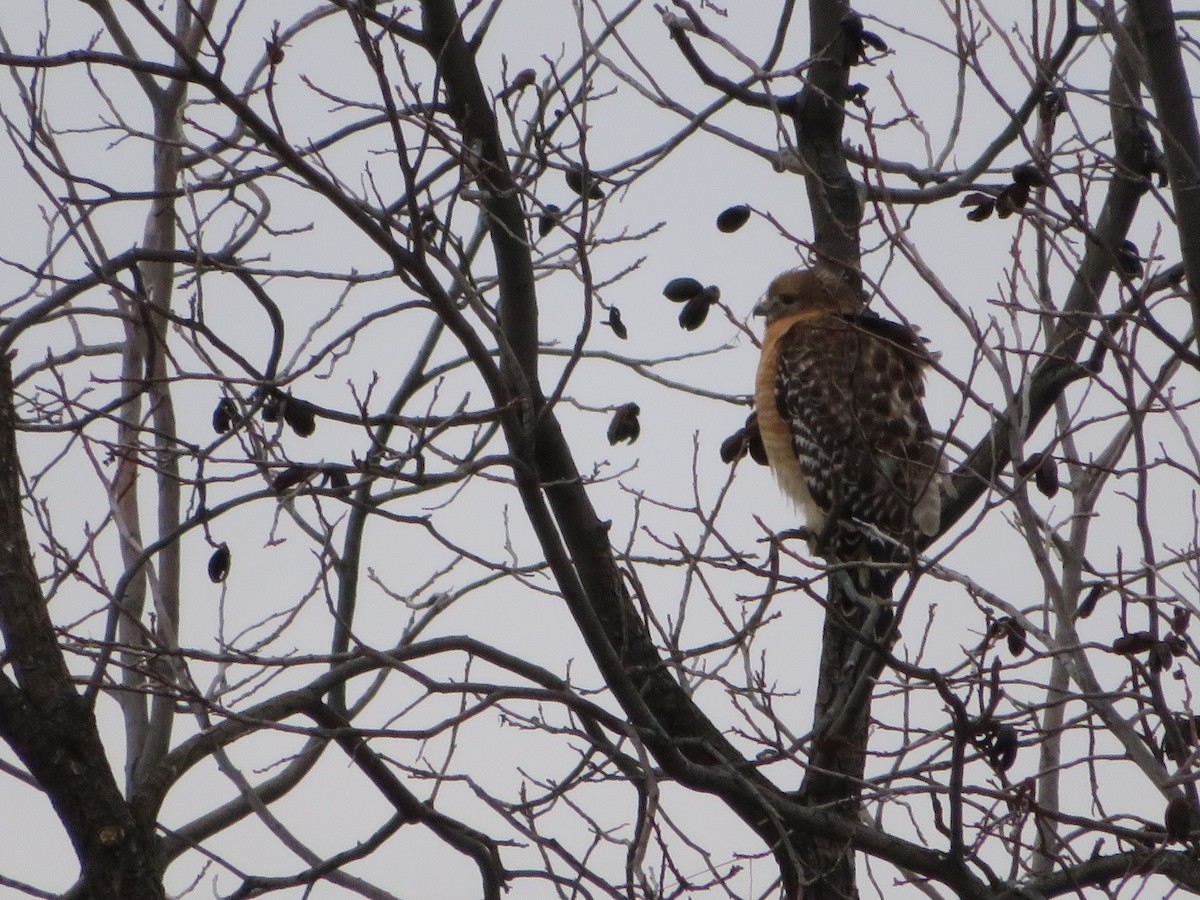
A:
(760, 308)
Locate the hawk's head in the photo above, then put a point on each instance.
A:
(805, 290)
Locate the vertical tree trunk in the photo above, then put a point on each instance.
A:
(46, 721)
(838, 754)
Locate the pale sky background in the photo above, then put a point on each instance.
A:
(683, 195)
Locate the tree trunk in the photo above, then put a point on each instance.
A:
(46, 721)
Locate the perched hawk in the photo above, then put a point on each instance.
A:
(839, 401)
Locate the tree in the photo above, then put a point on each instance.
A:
(318, 575)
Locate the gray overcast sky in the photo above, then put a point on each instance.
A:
(275, 562)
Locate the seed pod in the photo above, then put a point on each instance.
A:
(981, 212)
(1179, 748)
(300, 415)
(272, 408)
(1017, 194)
(1031, 464)
(1029, 175)
(858, 39)
(1180, 618)
(1176, 644)
(1003, 751)
(614, 322)
(852, 29)
(223, 415)
(290, 477)
(1129, 260)
(694, 312)
(1017, 642)
(746, 439)
(583, 182)
(982, 206)
(624, 425)
(874, 41)
(1011, 199)
(218, 564)
(1178, 819)
(1159, 659)
(734, 447)
(1046, 476)
(337, 479)
(1147, 159)
(733, 218)
(1088, 606)
(548, 219)
(754, 444)
(679, 290)
(1133, 644)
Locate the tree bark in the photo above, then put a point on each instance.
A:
(837, 756)
(1173, 100)
(46, 721)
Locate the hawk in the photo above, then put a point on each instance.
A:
(839, 397)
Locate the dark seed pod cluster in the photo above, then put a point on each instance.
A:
(1046, 476)
(223, 415)
(1087, 605)
(293, 476)
(680, 290)
(982, 206)
(614, 322)
(1135, 643)
(218, 564)
(997, 741)
(695, 310)
(858, 39)
(1129, 260)
(272, 408)
(1016, 637)
(732, 219)
(624, 425)
(1159, 653)
(548, 219)
(1028, 175)
(1147, 160)
(337, 479)
(1179, 737)
(300, 415)
(734, 447)
(746, 440)
(1178, 819)
(1003, 750)
(1044, 469)
(1012, 197)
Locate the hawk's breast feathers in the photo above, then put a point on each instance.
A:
(839, 396)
